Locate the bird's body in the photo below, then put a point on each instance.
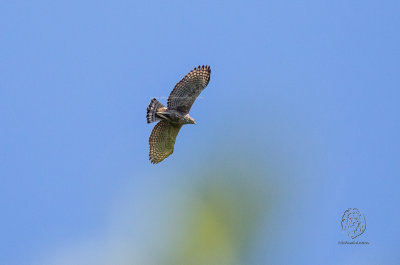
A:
(176, 114)
(176, 117)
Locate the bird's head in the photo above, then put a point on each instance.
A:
(189, 120)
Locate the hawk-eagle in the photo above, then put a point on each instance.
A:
(176, 114)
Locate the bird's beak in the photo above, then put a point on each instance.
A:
(194, 122)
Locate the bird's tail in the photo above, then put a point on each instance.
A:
(152, 109)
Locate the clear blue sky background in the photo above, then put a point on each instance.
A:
(311, 84)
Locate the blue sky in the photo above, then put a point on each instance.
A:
(308, 88)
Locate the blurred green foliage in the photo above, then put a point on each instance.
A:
(227, 208)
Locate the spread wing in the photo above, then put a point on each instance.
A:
(162, 140)
(188, 89)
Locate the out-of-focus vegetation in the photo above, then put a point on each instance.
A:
(228, 206)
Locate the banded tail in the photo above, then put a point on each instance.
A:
(152, 109)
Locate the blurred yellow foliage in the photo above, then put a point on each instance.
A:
(221, 218)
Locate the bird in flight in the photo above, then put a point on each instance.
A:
(176, 114)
